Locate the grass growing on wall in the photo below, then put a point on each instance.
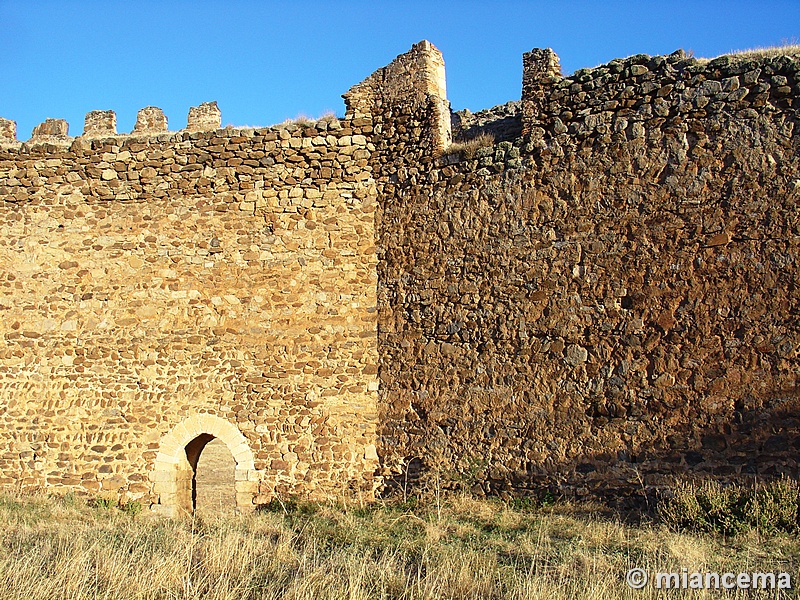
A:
(463, 548)
(787, 49)
(468, 148)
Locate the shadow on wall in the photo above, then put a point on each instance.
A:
(759, 444)
(502, 123)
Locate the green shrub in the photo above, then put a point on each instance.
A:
(291, 506)
(712, 507)
(531, 503)
(68, 500)
(774, 507)
(131, 507)
(104, 503)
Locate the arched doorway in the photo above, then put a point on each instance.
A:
(214, 484)
(181, 459)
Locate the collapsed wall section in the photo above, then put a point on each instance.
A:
(407, 102)
(147, 283)
(609, 301)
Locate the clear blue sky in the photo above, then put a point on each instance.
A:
(268, 61)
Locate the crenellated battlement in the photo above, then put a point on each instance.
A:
(623, 96)
(416, 76)
(99, 124)
(150, 120)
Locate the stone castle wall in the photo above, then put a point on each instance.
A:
(608, 301)
(602, 299)
(149, 280)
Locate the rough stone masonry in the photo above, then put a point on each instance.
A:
(603, 298)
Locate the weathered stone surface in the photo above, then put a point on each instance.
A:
(150, 119)
(415, 78)
(8, 130)
(592, 307)
(613, 288)
(54, 128)
(206, 117)
(541, 69)
(223, 277)
(100, 123)
(502, 122)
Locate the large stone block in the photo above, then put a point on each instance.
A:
(165, 487)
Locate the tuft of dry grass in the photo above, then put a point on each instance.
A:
(788, 49)
(303, 120)
(463, 549)
(470, 147)
(328, 117)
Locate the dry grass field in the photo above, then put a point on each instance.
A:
(463, 548)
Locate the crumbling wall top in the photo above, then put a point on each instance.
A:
(150, 119)
(8, 130)
(100, 123)
(417, 73)
(206, 117)
(52, 131)
(414, 78)
(541, 69)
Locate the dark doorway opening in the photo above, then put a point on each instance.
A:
(212, 487)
